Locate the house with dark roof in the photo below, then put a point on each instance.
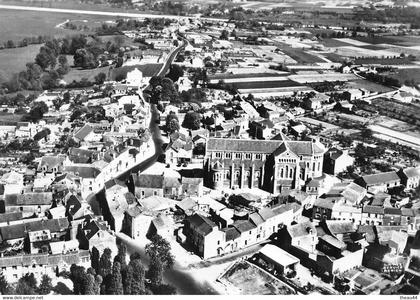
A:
(52, 164)
(28, 203)
(86, 178)
(337, 161)
(18, 232)
(204, 236)
(87, 134)
(163, 185)
(14, 267)
(242, 163)
(372, 215)
(231, 235)
(379, 182)
(410, 177)
(179, 151)
(96, 233)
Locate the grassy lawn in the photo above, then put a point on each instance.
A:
(15, 60)
(265, 84)
(7, 118)
(406, 74)
(334, 43)
(370, 86)
(77, 74)
(334, 57)
(299, 55)
(383, 61)
(249, 75)
(396, 40)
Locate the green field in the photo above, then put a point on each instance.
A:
(389, 39)
(76, 74)
(7, 118)
(17, 24)
(15, 60)
(265, 84)
(407, 74)
(299, 55)
(383, 61)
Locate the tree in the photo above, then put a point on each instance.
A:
(155, 272)
(366, 133)
(100, 78)
(27, 285)
(79, 279)
(5, 288)
(45, 287)
(94, 259)
(192, 120)
(172, 122)
(37, 112)
(169, 93)
(105, 268)
(135, 278)
(175, 72)
(160, 248)
(224, 35)
(84, 59)
(116, 283)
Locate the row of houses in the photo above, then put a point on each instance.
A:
(218, 234)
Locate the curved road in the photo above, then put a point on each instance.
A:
(184, 283)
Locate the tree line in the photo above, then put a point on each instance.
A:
(106, 277)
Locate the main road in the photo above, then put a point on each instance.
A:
(100, 13)
(183, 281)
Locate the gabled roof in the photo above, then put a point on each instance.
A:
(261, 146)
(301, 229)
(243, 225)
(381, 178)
(52, 162)
(256, 218)
(231, 233)
(412, 172)
(373, 209)
(201, 224)
(17, 231)
(83, 132)
(83, 171)
(42, 198)
(339, 227)
(187, 204)
(148, 181)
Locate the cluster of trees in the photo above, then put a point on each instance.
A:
(24, 42)
(163, 89)
(326, 86)
(43, 73)
(404, 15)
(37, 111)
(117, 277)
(196, 95)
(20, 145)
(381, 79)
(192, 120)
(18, 100)
(172, 122)
(26, 285)
(43, 134)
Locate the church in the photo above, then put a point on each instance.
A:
(272, 165)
